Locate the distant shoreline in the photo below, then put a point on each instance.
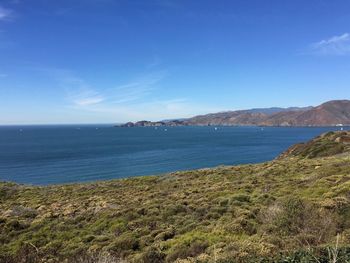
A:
(237, 126)
(329, 114)
(111, 125)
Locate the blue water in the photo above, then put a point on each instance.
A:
(64, 154)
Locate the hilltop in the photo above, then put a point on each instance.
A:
(295, 208)
(331, 113)
(327, 144)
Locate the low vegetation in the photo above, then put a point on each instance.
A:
(327, 144)
(293, 209)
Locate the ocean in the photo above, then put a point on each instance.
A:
(43, 155)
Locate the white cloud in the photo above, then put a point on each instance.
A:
(79, 93)
(132, 101)
(87, 98)
(5, 14)
(135, 89)
(336, 45)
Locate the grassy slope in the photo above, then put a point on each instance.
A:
(295, 206)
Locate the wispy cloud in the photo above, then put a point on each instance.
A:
(129, 101)
(3, 75)
(136, 89)
(84, 96)
(134, 100)
(336, 45)
(79, 93)
(5, 14)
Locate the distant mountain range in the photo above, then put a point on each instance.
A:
(331, 113)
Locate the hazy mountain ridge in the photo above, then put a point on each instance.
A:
(330, 113)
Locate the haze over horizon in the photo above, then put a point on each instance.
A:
(112, 61)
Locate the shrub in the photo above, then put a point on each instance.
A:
(168, 234)
(15, 225)
(240, 198)
(181, 252)
(224, 202)
(291, 216)
(26, 212)
(88, 238)
(124, 243)
(172, 210)
(152, 255)
(118, 228)
(7, 190)
(100, 257)
(308, 223)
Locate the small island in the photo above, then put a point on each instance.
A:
(153, 124)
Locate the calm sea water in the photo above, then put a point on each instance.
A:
(64, 154)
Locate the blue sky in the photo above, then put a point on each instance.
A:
(105, 61)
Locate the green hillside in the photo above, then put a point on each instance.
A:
(293, 209)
